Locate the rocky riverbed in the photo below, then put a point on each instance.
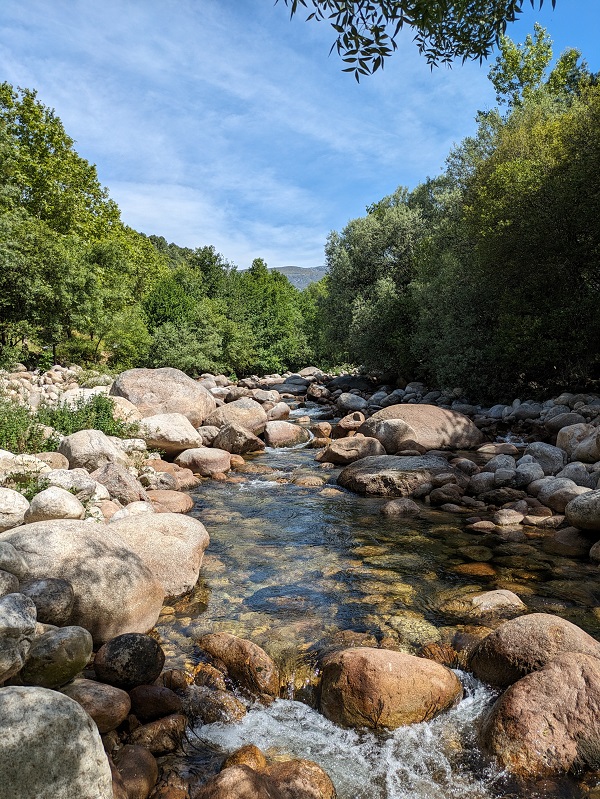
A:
(383, 563)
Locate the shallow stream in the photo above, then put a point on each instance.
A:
(299, 570)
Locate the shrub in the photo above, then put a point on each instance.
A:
(93, 414)
(21, 431)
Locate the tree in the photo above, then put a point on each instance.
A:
(367, 30)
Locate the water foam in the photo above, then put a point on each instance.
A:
(423, 761)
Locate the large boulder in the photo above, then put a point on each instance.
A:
(13, 507)
(584, 511)
(115, 592)
(521, 646)
(551, 459)
(169, 544)
(588, 449)
(391, 475)
(204, 461)
(429, 426)
(246, 412)
(246, 662)
(548, 722)
(285, 434)
(170, 432)
(49, 748)
(366, 687)
(165, 390)
(569, 437)
(237, 440)
(90, 449)
(348, 450)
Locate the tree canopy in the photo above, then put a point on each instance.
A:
(367, 30)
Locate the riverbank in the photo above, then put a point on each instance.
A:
(390, 580)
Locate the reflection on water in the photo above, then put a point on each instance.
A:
(296, 569)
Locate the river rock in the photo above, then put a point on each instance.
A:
(588, 449)
(115, 591)
(90, 449)
(551, 459)
(50, 748)
(246, 412)
(17, 630)
(54, 503)
(391, 475)
(107, 705)
(367, 687)
(210, 705)
(12, 561)
(348, 450)
(167, 501)
(246, 662)
(290, 779)
(13, 507)
(138, 769)
(285, 434)
(53, 598)
(121, 485)
(9, 584)
(279, 411)
(547, 723)
(569, 437)
(170, 432)
(205, 461)
(165, 390)
(151, 702)
(430, 426)
(584, 511)
(162, 736)
(347, 403)
(558, 492)
(76, 481)
(129, 660)
(401, 507)
(521, 646)
(170, 545)
(56, 657)
(481, 608)
(237, 440)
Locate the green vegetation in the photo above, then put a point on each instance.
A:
(22, 430)
(484, 277)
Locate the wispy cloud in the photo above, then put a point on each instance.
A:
(223, 123)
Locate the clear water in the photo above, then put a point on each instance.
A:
(296, 568)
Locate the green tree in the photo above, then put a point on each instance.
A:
(367, 30)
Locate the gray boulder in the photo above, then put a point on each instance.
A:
(115, 592)
(391, 475)
(170, 432)
(13, 507)
(246, 412)
(17, 629)
(50, 748)
(430, 426)
(165, 390)
(584, 511)
(56, 657)
(551, 459)
(54, 503)
(90, 449)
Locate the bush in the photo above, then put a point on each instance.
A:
(93, 414)
(21, 431)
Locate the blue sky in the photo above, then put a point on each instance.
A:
(221, 122)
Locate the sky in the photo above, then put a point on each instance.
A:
(222, 122)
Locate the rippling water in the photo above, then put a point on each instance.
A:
(298, 569)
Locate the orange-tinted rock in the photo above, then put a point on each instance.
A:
(138, 770)
(170, 501)
(162, 736)
(367, 687)
(246, 662)
(249, 755)
(151, 702)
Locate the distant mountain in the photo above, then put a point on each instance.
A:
(302, 276)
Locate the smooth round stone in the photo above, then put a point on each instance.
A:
(107, 705)
(476, 553)
(53, 597)
(138, 769)
(9, 584)
(49, 748)
(162, 736)
(151, 702)
(17, 629)
(57, 656)
(129, 660)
